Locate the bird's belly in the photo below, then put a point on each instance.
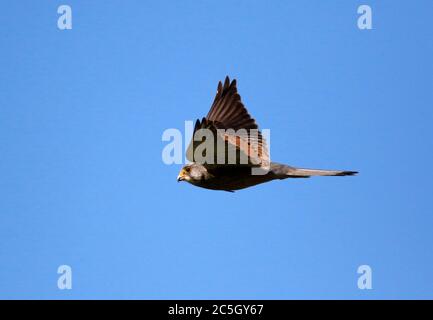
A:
(229, 183)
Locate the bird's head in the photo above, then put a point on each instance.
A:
(192, 173)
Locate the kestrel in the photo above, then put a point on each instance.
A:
(235, 131)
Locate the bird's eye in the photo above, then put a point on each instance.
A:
(187, 169)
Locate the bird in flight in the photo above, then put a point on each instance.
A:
(236, 155)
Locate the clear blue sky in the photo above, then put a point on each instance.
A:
(82, 182)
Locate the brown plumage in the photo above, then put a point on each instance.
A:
(238, 158)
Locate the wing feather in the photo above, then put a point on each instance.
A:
(228, 112)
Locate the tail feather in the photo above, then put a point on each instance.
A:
(299, 172)
(284, 171)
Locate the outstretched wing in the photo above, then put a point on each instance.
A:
(233, 131)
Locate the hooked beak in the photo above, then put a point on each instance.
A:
(180, 177)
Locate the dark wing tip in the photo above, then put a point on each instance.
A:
(197, 124)
(227, 82)
(348, 173)
(228, 109)
(220, 88)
